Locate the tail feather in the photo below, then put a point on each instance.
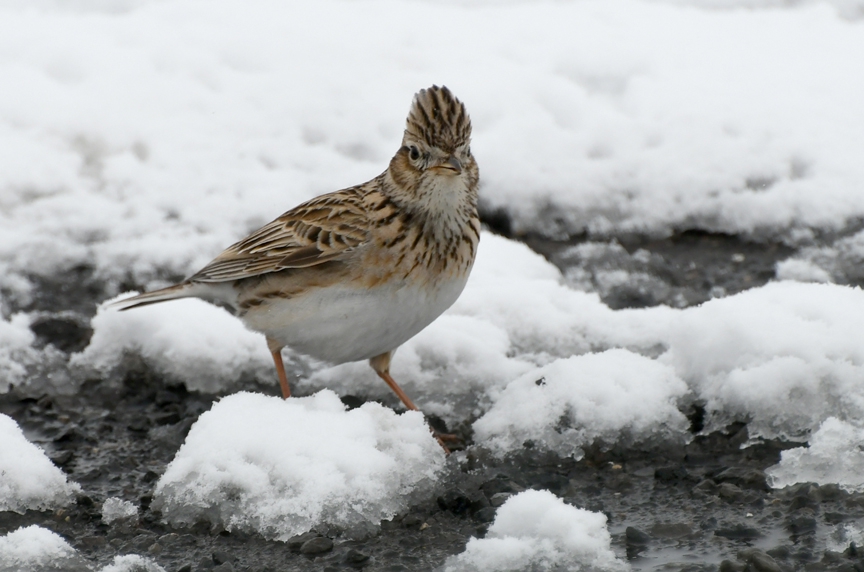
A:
(162, 295)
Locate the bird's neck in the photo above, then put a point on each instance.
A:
(445, 202)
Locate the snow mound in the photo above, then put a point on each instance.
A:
(30, 480)
(118, 509)
(188, 340)
(785, 357)
(611, 397)
(536, 531)
(16, 350)
(37, 549)
(281, 467)
(132, 563)
(835, 455)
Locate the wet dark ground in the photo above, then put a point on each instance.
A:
(701, 506)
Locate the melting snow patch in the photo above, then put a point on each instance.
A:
(118, 509)
(29, 479)
(189, 340)
(37, 549)
(571, 403)
(785, 357)
(281, 467)
(16, 350)
(835, 455)
(841, 262)
(132, 563)
(536, 531)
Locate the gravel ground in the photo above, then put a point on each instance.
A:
(700, 506)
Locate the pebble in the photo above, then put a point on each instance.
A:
(500, 484)
(738, 532)
(705, 487)
(355, 557)
(730, 566)
(729, 492)
(62, 458)
(744, 477)
(294, 544)
(94, 541)
(317, 545)
(169, 539)
(759, 561)
(781, 552)
(635, 537)
(486, 514)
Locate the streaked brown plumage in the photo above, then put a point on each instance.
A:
(353, 274)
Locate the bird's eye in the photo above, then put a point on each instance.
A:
(414, 153)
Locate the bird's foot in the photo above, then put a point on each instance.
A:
(444, 438)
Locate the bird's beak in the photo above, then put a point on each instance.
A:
(452, 164)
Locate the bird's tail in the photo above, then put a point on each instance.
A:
(184, 290)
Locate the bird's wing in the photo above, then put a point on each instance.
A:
(318, 231)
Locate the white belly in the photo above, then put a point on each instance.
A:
(340, 324)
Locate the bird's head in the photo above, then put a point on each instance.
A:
(435, 159)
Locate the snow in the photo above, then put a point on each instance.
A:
(535, 530)
(29, 479)
(785, 357)
(132, 563)
(16, 351)
(37, 549)
(606, 398)
(281, 467)
(118, 509)
(188, 340)
(142, 137)
(835, 454)
(841, 262)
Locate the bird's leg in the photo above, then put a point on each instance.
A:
(276, 352)
(381, 365)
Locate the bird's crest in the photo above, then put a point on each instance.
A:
(439, 119)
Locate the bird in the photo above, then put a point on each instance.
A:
(353, 274)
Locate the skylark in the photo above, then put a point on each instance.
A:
(352, 275)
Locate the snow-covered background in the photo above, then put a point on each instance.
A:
(144, 136)
(139, 138)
